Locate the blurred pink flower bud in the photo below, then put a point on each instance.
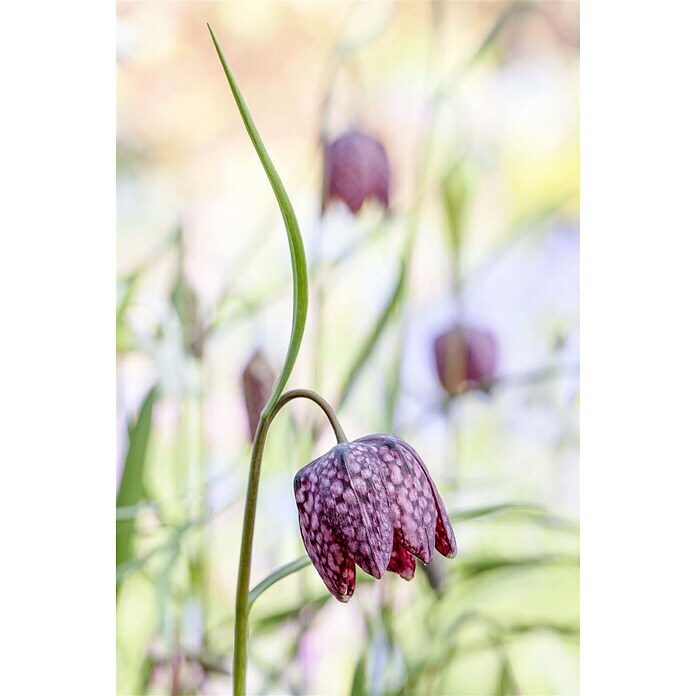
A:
(258, 380)
(355, 169)
(370, 502)
(465, 357)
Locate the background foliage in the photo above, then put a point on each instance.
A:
(476, 105)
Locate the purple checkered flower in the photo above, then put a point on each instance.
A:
(370, 502)
(355, 169)
(465, 357)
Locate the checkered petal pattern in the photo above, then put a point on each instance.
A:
(370, 502)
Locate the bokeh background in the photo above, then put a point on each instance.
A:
(484, 94)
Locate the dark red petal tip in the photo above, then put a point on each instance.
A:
(402, 562)
(445, 541)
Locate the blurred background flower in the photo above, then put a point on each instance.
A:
(355, 169)
(465, 357)
(258, 380)
(476, 106)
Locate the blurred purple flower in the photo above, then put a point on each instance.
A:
(355, 169)
(370, 502)
(258, 380)
(465, 357)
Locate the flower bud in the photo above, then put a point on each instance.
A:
(355, 169)
(465, 358)
(258, 380)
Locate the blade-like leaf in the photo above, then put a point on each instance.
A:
(270, 622)
(187, 307)
(297, 252)
(373, 337)
(124, 335)
(475, 567)
(507, 684)
(132, 488)
(275, 576)
(359, 686)
(456, 194)
(473, 513)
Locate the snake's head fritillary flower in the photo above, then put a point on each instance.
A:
(355, 168)
(258, 380)
(465, 356)
(370, 502)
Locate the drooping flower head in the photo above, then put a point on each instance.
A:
(370, 502)
(465, 356)
(258, 380)
(355, 169)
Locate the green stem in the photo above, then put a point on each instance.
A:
(241, 622)
(276, 401)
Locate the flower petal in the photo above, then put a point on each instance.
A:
(402, 561)
(445, 541)
(413, 508)
(362, 508)
(324, 548)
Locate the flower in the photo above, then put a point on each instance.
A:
(355, 169)
(371, 502)
(258, 379)
(465, 356)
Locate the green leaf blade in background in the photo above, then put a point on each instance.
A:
(359, 685)
(132, 488)
(455, 190)
(373, 337)
(507, 684)
(125, 291)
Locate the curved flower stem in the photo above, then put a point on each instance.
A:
(243, 601)
(317, 399)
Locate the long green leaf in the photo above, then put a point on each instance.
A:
(271, 622)
(124, 335)
(475, 567)
(507, 684)
(359, 686)
(473, 513)
(132, 488)
(297, 253)
(455, 192)
(456, 516)
(373, 337)
(276, 575)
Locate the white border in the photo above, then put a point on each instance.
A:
(637, 313)
(57, 356)
(57, 399)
